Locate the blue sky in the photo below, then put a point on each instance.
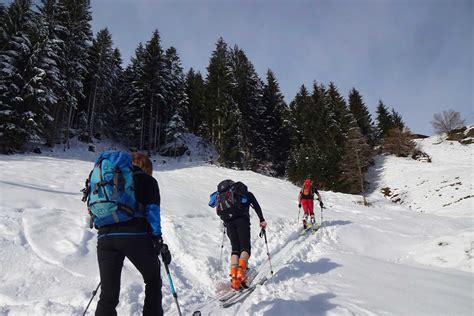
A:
(415, 55)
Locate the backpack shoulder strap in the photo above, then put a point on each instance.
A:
(136, 172)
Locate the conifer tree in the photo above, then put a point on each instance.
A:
(362, 115)
(176, 100)
(247, 93)
(397, 120)
(356, 160)
(387, 120)
(323, 139)
(76, 35)
(337, 127)
(152, 81)
(276, 133)
(339, 116)
(320, 125)
(302, 153)
(19, 77)
(115, 109)
(196, 99)
(222, 115)
(51, 57)
(3, 35)
(132, 102)
(384, 120)
(103, 72)
(175, 129)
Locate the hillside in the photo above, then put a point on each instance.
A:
(411, 257)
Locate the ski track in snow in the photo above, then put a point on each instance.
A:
(380, 260)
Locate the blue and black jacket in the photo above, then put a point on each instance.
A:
(148, 220)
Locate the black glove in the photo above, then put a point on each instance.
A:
(157, 243)
(321, 204)
(165, 254)
(299, 205)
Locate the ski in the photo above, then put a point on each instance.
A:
(312, 228)
(315, 229)
(242, 294)
(228, 296)
(252, 274)
(305, 230)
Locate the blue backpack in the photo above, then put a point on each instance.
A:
(110, 191)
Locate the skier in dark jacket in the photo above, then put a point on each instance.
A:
(139, 240)
(237, 222)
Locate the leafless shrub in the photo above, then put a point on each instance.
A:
(446, 121)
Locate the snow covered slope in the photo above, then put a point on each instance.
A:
(444, 187)
(383, 259)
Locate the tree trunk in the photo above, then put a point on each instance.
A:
(52, 132)
(150, 127)
(66, 142)
(361, 177)
(91, 120)
(142, 128)
(157, 126)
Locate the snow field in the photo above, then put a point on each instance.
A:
(386, 259)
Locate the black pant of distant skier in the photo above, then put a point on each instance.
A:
(111, 251)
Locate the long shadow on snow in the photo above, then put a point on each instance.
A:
(299, 269)
(169, 164)
(159, 163)
(374, 175)
(336, 223)
(29, 186)
(316, 305)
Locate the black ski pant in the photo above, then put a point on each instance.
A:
(111, 251)
(238, 231)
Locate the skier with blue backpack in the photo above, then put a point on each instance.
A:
(232, 201)
(123, 200)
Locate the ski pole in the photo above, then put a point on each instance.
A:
(299, 210)
(93, 295)
(321, 216)
(175, 295)
(322, 227)
(264, 234)
(222, 245)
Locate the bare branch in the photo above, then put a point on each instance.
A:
(446, 121)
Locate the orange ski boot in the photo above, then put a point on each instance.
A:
(242, 272)
(234, 282)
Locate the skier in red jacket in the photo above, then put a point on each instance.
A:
(306, 199)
